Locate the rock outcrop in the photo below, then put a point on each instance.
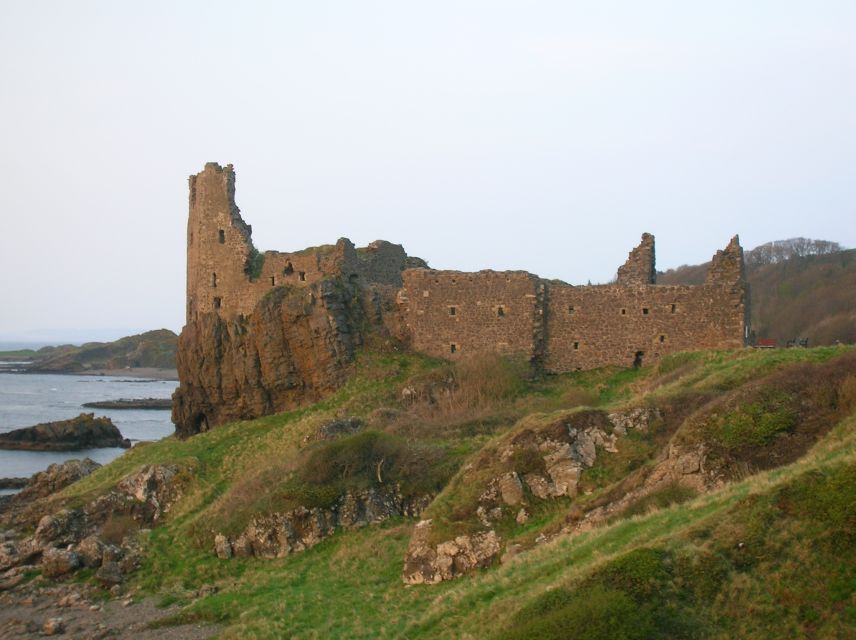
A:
(293, 350)
(428, 563)
(542, 463)
(100, 534)
(280, 534)
(83, 432)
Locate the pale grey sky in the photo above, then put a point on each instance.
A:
(544, 136)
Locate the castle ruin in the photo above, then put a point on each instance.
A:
(294, 313)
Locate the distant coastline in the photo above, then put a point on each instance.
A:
(143, 373)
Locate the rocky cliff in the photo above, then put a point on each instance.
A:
(292, 350)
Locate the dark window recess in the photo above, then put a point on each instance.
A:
(302, 276)
(624, 312)
(637, 359)
(662, 338)
(453, 311)
(288, 270)
(500, 311)
(576, 345)
(273, 281)
(674, 308)
(217, 302)
(571, 309)
(222, 236)
(213, 279)
(644, 311)
(453, 348)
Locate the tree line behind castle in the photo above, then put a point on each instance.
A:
(267, 332)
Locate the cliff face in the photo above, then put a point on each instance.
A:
(292, 350)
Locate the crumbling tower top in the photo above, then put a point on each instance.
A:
(640, 265)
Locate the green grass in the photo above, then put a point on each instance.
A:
(769, 556)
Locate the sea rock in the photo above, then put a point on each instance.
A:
(83, 432)
(426, 563)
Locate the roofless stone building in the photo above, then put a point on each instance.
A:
(269, 331)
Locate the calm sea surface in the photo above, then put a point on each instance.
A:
(28, 399)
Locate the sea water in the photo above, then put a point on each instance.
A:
(27, 399)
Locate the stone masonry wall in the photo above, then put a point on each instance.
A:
(640, 267)
(589, 327)
(450, 314)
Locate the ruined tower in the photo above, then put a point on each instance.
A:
(219, 243)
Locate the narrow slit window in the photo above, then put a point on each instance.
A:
(674, 308)
(453, 311)
(218, 303)
(644, 311)
(221, 235)
(624, 312)
(500, 312)
(301, 276)
(571, 309)
(273, 281)
(662, 338)
(453, 348)
(213, 279)
(576, 345)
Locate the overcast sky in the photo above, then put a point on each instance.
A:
(545, 136)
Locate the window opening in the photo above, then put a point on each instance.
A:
(453, 348)
(288, 269)
(453, 311)
(217, 303)
(637, 359)
(644, 311)
(222, 236)
(576, 345)
(674, 308)
(624, 312)
(301, 276)
(273, 281)
(213, 279)
(500, 312)
(662, 338)
(571, 309)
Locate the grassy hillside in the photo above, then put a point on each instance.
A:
(150, 349)
(799, 297)
(767, 550)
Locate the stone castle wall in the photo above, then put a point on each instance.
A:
(447, 314)
(225, 273)
(450, 314)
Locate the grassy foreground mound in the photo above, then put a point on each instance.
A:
(762, 546)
